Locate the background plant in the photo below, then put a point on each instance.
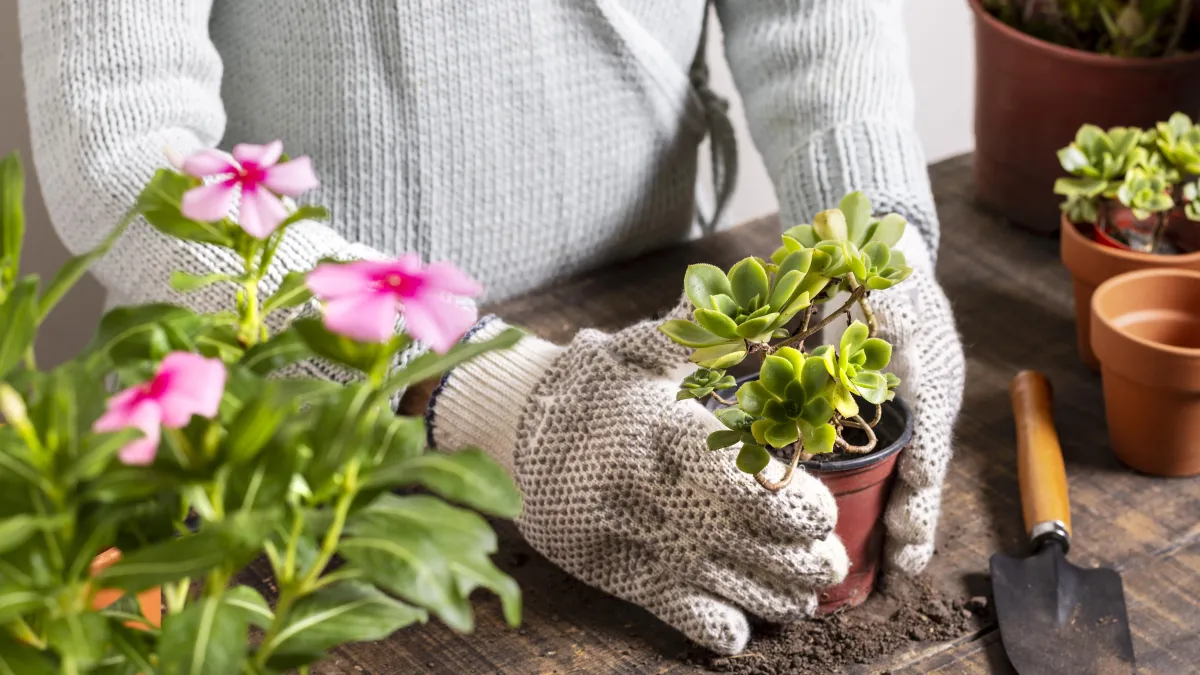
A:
(803, 400)
(1144, 170)
(1127, 28)
(297, 471)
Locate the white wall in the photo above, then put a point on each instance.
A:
(940, 54)
(941, 58)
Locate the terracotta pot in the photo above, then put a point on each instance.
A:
(1091, 264)
(149, 601)
(1146, 332)
(1031, 97)
(861, 486)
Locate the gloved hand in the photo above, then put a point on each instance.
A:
(927, 355)
(622, 492)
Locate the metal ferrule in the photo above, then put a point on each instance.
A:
(1050, 530)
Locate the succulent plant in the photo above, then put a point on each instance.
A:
(703, 382)
(1148, 28)
(1146, 192)
(1098, 160)
(1178, 139)
(856, 367)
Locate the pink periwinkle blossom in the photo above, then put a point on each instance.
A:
(363, 298)
(256, 171)
(186, 384)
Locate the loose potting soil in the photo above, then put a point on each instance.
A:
(900, 617)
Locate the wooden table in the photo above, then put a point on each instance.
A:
(1012, 299)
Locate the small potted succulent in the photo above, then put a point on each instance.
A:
(831, 409)
(217, 449)
(1131, 203)
(1115, 63)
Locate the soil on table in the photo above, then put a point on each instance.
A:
(900, 617)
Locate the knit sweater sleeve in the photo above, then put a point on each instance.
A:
(830, 103)
(109, 85)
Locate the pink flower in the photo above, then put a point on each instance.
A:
(362, 299)
(186, 384)
(253, 168)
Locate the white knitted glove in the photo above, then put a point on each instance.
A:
(622, 492)
(927, 355)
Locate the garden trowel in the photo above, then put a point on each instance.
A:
(1055, 618)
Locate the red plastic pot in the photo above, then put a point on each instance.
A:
(861, 486)
(1031, 97)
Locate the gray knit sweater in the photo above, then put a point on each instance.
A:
(521, 139)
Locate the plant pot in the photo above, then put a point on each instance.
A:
(149, 601)
(861, 485)
(1031, 97)
(1146, 333)
(1091, 264)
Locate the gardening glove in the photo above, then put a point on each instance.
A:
(622, 492)
(927, 355)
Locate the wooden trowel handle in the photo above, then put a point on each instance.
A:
(1040, 469)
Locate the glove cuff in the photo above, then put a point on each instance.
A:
(480, 402)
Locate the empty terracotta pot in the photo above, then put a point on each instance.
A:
(1146, 333)
(861, 486)
(1031, 97)
(1091, 264)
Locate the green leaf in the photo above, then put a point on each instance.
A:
(17, 601)
(720, 356)
(19, 322)
(725, 305)
(796, 261)
(702, 281)
(815, 376)
(714, 322)
(82, 638)
(781, 434)
(878, 353)
(73, 270)
(17, 658)
(161, 201)
(889, 229)
(468, 477)
(785, 287)
(819, 439)
(734, 418)
(723, 438)
(280, 351)
(255, 424)
(857, 210)
(292, 292)
(844, 402)
(1085, 187)
(305, 212)
(853, 338)
(409, 564)
(209, 637)
(817, 410)
(776, 374)
(250, 604)
(235, 540)
(758, 329)
(753, 458)
(127, 331)
(16, 530)
(12, 216)
(339, 614)
(689, 334)
(432, 364)
(98, 451)
(360, 356)
(479, 572)
(185, 282)
(830, 225)
(748, 280)
(1072, 159)
(753, 396)
(871, 386)
(804, 235)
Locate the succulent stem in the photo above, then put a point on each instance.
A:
(720, 399)
(855, 296)
(872, 439)
(786, 480)
(868, 314)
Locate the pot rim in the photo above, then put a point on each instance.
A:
(861, 461)
(1106, 321)
(1078, 55)
(1081, 255)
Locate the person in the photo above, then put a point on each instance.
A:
(525, 141)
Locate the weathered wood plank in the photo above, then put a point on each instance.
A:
(1013, 304)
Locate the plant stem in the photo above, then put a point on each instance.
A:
(722, 400)
(808, 314)
(1181, 22)
(799, 339)
(1159, 228)
(872, 324)
(874, 422)
(289, 561)
(872, 440)
(175, 595)
(24, 633)
(786, 480)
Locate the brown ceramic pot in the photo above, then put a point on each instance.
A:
(1146, 332)
(1091, 264)
(149, 601)
(861, 486)
(1031, 97)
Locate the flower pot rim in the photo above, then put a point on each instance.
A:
(1081, 255)
(872, 458)
(1104, 319)
(1078, 55)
